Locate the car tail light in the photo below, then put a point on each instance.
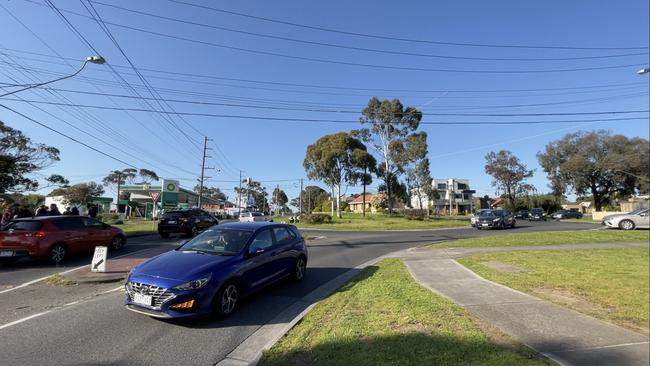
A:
(37, 234)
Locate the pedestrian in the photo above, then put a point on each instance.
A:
(54, 210)
(42, 211)
(15, 211)
(67, 211)
(74, 211)
(92, 211)
(6, 216)
(25, 212)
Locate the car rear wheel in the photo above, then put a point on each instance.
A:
(57, 253)
(226, 299)
(626, 225)
(300, 269)
(117, 243)
(513, 224)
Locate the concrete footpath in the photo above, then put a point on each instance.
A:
(563, 335)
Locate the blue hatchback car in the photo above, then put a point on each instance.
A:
(212, 272)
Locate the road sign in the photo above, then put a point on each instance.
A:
(154, 195)
(98, 263)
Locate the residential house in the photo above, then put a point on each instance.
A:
(356, 205)
(455, 197)
(584, 207)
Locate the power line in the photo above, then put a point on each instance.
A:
(357, 64)
(395, 38)
(390, 52)
(329, 120)
(282, 83)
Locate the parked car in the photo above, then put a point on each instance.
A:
(566, 214)
(472, 220)
(639, 218)
(216, 269)
(56, 237)
(253, 217)
(189, 222)
(495, 219)
(537, 214)
(522, 214)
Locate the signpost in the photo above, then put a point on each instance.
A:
(154, 197)
(98, 263)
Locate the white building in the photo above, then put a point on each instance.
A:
(455, 196)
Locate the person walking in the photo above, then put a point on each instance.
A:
(92, 211)
(74, 211)
(54, 210)
(42, 211)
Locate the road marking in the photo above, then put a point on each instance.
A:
(113, 290)
(64, 272)
(23, 320)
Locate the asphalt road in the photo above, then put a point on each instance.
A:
(100, 331)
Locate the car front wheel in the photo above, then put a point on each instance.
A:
(626, 225)
(226, 299)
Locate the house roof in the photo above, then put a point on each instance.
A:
(360, 199)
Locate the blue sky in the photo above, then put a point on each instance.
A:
(271, 150)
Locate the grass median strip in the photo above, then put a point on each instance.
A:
(610, 284)
(139, 228)
(382, 222)
(508, 239)
(384, 317)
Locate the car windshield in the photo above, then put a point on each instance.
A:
(218, 242)
(638, 211)
(537, 210)
(487, 213)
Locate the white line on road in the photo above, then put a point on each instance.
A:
(23, 320)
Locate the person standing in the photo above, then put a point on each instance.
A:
(54, 210)
(42, 211)
(74, 211)
(92, 211)
(25, 212)
(6, 216)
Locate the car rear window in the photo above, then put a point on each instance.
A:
(173, 214)
(22, 226)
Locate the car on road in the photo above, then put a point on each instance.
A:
(188, 222)
(566, 214)
(495, 219)
(56, 237)
(537, 214)
(522, 214)
(637, 219)
(253, 217)
(472, 220)
(212, 272)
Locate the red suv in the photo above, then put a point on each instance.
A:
(56, 237)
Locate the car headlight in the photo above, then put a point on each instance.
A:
(495, 220)
(194, 284)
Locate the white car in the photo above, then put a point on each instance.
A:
(638, 218)
(253, 217)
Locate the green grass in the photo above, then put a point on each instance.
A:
(139, 228)
(383, 317)
(549, 238)
(610, 284)
(356, 222)
(58, 280)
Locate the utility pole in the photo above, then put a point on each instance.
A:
(300, 206)
(239, 197)
(363, 208)
(277, 191)
(119, 185)
(203, 168)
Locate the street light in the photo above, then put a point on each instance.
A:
(645, 70)
(98, 60)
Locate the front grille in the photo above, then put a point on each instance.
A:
(159, 295)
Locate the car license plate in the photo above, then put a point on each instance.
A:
(171, 221)
(142, 299)
(484, 224)
(6, 253)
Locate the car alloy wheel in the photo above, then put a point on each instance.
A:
(57, 253)
(626, 225)
(229, 297)
(300, 269)
(117, 243)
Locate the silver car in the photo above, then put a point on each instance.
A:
(253, 217)
(629, 221)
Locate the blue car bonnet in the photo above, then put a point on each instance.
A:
(181, 266)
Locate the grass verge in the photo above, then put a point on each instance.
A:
(138, 228)
(610, 284)
(549, 238)
(357, 222)
(383, 317)
(58, 280)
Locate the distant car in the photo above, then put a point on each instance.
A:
(537, 214)
(637, 219)
(56, 237)
(472, 219)
(495, 219)
(566, 214)
(253, 217)
(522, 214)
(214, 271)
(189, 222)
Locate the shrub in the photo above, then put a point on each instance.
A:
(107, 217)
(316, 218)
(418, 215)
(347, 209)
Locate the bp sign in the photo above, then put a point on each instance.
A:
(169, 196)
(170, 185)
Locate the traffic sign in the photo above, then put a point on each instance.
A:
(98, 263)
(154, 195)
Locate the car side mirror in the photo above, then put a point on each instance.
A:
(643, 214)
(254, 251)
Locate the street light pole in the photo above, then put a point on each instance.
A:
(92, 59)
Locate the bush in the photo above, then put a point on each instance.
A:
(347, 209)
(108, 217)
(418, 215)
(316, 218)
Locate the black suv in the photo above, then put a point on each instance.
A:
(567, 214)
(537, 214)
(522, 214)
(188, 222)
(495, 219)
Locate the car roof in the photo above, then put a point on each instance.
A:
(43, 218)
(249, 226)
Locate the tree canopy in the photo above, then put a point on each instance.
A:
(509, 174)
(212, 192)
(79, 194)
(597, 163)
